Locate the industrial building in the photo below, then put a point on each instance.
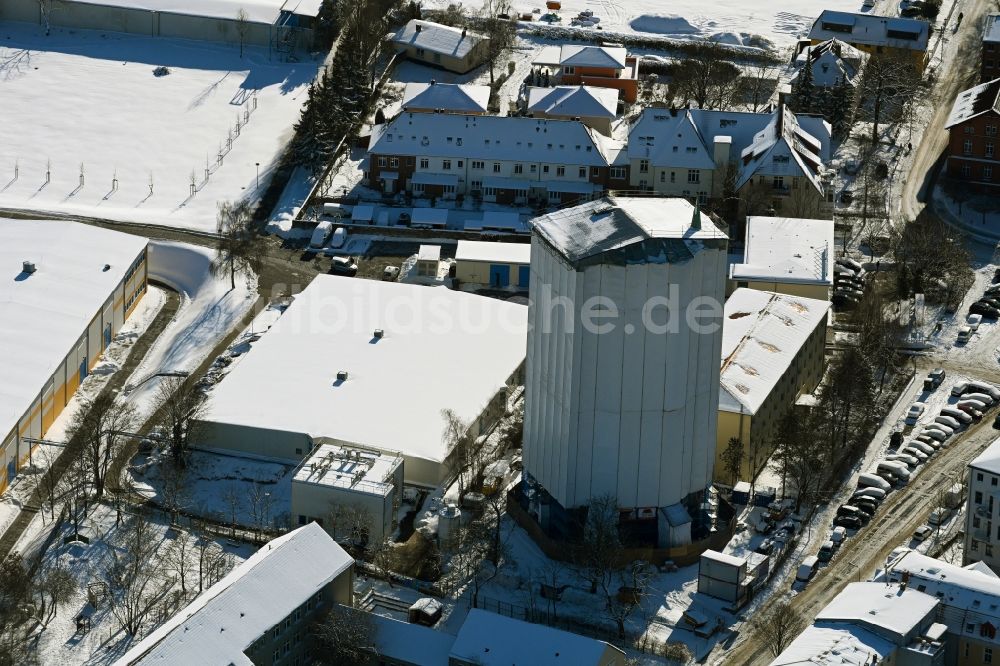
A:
(627, 407)
(74, 286)
(338, 480)
(493, 264)
(283, 26)
(263, 612)
(786, 255)
(347, 352)
(773, 350)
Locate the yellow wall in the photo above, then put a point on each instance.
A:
(819, 292)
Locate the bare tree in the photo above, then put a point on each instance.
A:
(706, 77)
(623, 593)
(53, 587)
(174, 491)
(498, 31)
(233, 499)
(181, 405)
(597, 554)
(260, 507)
(887, 84)
(45, 11)
(798, 457)
(732, 459)
(345, 636)
(929, 252)
(134, 576)
(460, 447)
(239, 249)
(382, 555)
(242, 27)
(74, 490)
(677, 653)
(759, 81)
(48, 483)
(778, 626)
(103, 427)
(179, 558)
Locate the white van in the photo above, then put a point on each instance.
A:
(339, 238)
(320, 235)
(807, 569)
(939, 516)
(964, 333)
(867, 480)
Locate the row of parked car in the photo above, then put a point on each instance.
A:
(848, 283)
(988, 307)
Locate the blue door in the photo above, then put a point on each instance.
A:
(83, 370)
(107, 335)
(11, 471)
(499, 275)
(523, 274)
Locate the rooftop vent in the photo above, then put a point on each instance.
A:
(342, 375)
(379, 334)
(418, 27)
(28, 267)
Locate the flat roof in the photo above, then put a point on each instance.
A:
(504, 253)
(42, 315)
(762, 332)
(989, 459)
(723, 558)
(442, 349)
(429, 253)
(411, 643)
(258, 11)
(351, 468)
(785, 249)
(892, 607)
(221, 623)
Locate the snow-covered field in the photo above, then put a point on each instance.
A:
(732, 21)
(86, 101)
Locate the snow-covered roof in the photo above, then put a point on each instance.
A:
(982, 568)
(488, 138)
(457, 98)
(786, 249)
(258, 11)
(782, 148)
(220, 624)
(833, 62)
(432, 335)
(834, 646)
(762, 332)
(574, 101)
(894, 608)
(429, 252)
(504, 253)
(360, 470)
(411, 643)
(651, 229)
(991, 30)
(432, 216)
(42, 315)
(437, 38)
(724, 558)
(580, 55)
(984, 98)
(873, 30)
(489, 639)
(988, 460)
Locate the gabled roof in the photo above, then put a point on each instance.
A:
(834, 646)
(628, 229)
(577, 55)
(461, 98)
(437, 38)
(782, 148)
(787, 250)
(489, 639)
(489, 138)
(984, 98)
(221, 623)
(872, 30)
(762, 332)
(574, 101)
(833, 61)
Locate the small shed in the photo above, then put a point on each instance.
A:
(723, 577)
(741, 493)
(428, 260)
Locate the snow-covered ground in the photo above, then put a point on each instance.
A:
(209, 310)
(89, 101)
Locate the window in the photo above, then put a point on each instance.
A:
(275, 633)
(496, 167)
(987, 173)
(475, 184)
(966, 171)
(460, 163)
(425, 163)
(446, 164)
(437, 57)
(277, 655)
(643, 166)
(545, 168)
(975, 545)
(582, 173)
(979, 495)
(969, 129)
(595, 172)
(694, 176)
(993, 482)
(987, 655)
(302, 519)
(489, 191)
(673, 176)
(989, 149)
(560, 170)
(989, 550)
(991, 130)
(663, 176)
(979, 477)
(569, 70)
(617, 172)
(478, 164)
(518, 168)
(382, 161)
(967, 147)
(393, 162)
(975, 521)
(533, 168)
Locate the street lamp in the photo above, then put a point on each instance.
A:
(258, 175)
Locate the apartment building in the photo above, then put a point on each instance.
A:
(990, 64)
(973, 155)
(982, 529)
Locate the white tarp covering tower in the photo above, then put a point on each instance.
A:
(622, 371)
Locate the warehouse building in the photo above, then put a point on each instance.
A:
(74, 287)
(487, 264)
(347, 353)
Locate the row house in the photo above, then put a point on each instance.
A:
(972, 137)
(701, 154)
(502, 159)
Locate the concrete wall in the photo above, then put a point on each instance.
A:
(818, 291)
(315, 501)
(478, 272)
(59, 389)
(635, 415)
(246, 440)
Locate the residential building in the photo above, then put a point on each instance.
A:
(982, 516)
(362, 349)
(284, 26)
(589, 65)
(785, 255)
(624, 408)
(262, 612)
(341, 480)
(891, 36)
(773, 349)
(498, 265)
(437, 97)
(990, 65)
(455, 49)
(488, 639)
(72, 287)
(507, 160)
(769, 159)
(833, 62)
(872, 623)
(969, 602)
(594, 107)
(973, 143)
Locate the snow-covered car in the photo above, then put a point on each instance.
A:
(913, 452)
(874, 493)
(973, 321)
(987, 400)
(915, 412)
(910, 461)
(956, 414)
(343, 266)
(964, 333)
(959, 388)
(922, 532)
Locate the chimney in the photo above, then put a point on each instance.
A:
(342, 375)
(433, 81)
(28, 267)
(418, 27)
(379, 333)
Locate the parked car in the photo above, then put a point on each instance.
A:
(876, 494)
(826, 551)
(993, 301)
(866, 504)
(972, 411)
(765, 547)
(988, 389)
(838, 535)
(911, 461)
(914, 453)
(343, 266)
(949, 421)
(964, 333)
(996, 422)
(939, 431)
(895, 439)
(921, 446)
(915, 412)
(843, 301)
(922, 532)
(938, 375)
(850, 263)
(959, 388)
(986, 310)
(868, 480)
(390, 273)
(897, 468)
(320, 234)
(956, 414)
(849, 510)
(985, 398)
(807, 569)
(975, 403)
(973, 321)
(850, 522)
(939, 516)
(339, 238)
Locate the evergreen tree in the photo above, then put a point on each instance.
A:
(837, 109)
(327, 25)
(805, 90)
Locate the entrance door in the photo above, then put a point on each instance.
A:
(523, 275)
(107, 334)
(83, 370)
(499, 275)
